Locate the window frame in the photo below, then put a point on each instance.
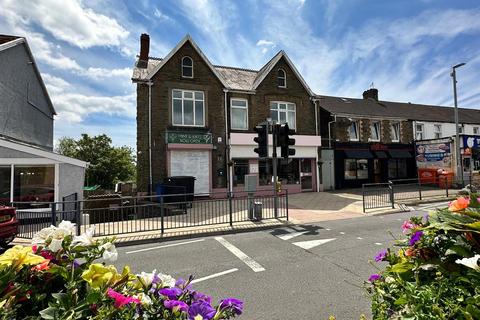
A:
(394, 130)
(286, 111)
(183, 108)
(184, 66)
(437, 130)
(238, 107)
(357, 125)
(284, 78)
(476, 129)
(422, 132)
(378, 130)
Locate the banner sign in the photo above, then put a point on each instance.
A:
(189, 138)
(433, 154)
(471, 141)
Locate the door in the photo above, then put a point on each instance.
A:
(377, 170)
(194, 163)
(306, 179)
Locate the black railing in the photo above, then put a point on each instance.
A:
(113, 216)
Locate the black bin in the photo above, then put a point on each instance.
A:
(182, 187)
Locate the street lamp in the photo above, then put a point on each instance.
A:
(459, 172)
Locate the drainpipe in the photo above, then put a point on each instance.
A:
(330, 131)
(227, 145)
(150, 179)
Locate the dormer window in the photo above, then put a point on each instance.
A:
(282, 78)
(187, 67)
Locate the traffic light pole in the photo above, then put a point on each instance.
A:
(275, 178)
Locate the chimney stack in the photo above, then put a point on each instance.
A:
(371, 93)
(144, 50)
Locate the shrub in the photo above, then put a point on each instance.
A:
(60, 277)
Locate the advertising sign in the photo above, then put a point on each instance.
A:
(189, 138)
(433, 154)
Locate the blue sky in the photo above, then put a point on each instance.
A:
(86, 49)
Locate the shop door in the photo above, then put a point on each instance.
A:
(306, 179)
(377, 170)
(194, 163)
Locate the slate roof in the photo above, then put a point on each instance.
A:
(238, 78)
(400, 110)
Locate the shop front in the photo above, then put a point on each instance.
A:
(359, 163)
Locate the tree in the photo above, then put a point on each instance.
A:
(107, 164)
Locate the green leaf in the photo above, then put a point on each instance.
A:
(402, 267)
(475, 225)
(401, 301)
(474, 311)
(49, 313)
(93, 297)
(459, 251)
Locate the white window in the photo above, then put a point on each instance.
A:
(419, 131)
(475, 130)
(353, 131)
(187, 67)
(375, 131)
(188, 108)
(239, 113)
(395, 131)
(460, 128)
(437, 131)
(282, 78)
(283, 112)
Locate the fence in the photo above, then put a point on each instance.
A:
(380, 195)
(123, 215)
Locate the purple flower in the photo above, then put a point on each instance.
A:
(374, 277)
(381, 255)
(176, 305)
(415, 237)
(76, 264)
(182, 284)
(198, 296)
(170, 293)
(201, 308)
(234, 305)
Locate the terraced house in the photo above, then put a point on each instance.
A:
(196, 119)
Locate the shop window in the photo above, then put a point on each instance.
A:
(239, 112)
(353, 131)
(356, 169)
(395, 131)
(5, 180)
(188, 108)
(240, 169)
(419, 131)
(288, 171)
(283, 112)
(397, 168)
(187, 67)
(265, 172)
(34, 184)
(437, 131)
(375, 131)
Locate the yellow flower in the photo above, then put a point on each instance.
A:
(19, 256)
(99, 275)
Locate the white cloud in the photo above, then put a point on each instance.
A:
(69, 21)
(263, 42)
(160, 15)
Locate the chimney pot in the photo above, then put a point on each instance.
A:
(144, 50)
(371, 93)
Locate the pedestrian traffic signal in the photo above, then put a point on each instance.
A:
(262, 140)
(284, 140)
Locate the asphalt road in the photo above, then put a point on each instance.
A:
(299, 272)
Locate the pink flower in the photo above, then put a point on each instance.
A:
(47, 255)
(120, 299)
(34, 249)
(407, 225)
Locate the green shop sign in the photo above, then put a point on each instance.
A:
(189, 138)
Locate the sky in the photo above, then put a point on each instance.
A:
(85, 49)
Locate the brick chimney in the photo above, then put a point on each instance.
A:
(144, 49)
(371, 93)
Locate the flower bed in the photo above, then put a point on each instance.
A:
(60, 277)
(434, 274)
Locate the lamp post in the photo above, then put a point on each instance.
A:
(459, 172)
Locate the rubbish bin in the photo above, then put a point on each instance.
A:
(445, 180)
(183, 187)
(257, 209)
(427, 175)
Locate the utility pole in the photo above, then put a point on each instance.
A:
(458, 173)
(275, 178)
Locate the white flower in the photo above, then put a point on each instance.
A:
(147, 278)
(57, 236)
(41, 236)
(55, 245)
(389, 279)
(470, 262)
(67, 226)
(110, 253)
(167, 280)
(85, 239)
(144, 299)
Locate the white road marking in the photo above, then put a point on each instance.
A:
(312, 243)
(378, 243)
(342, 232)
(164, 246)
(328, 229)
(214, 275)
(292, 235)
(359, 238)
(255, 266)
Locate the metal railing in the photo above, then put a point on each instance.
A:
(113, 216)
(377, 195)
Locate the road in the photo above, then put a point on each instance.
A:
(298, 272)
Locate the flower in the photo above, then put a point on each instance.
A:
(459, 204)
(41, 266)
(201, 311)
(171, 293)
(85, 239)
(167, 280)
(176, 305)
(234, 305)
(19, 256)
(407, 225)
(470, 262)
(374, 277)
(381, 255)
(145, 300)
(67, 227)
(41, 237)
(415, 237)
(110, 252)
(120, 299)
(198, 296)
(99, 275)
(410, 252)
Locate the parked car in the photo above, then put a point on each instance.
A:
(29, 194)
(8, 225)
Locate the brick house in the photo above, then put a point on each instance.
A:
(197, 119)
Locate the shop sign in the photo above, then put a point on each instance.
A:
(378, 147)
(471, 141)
(189, 138)
(433, 155)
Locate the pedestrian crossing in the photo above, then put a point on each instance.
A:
(290, 233)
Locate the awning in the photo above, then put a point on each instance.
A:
(399, 154)
(358, 154)
(381, 154)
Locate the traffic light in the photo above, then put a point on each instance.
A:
(262, 140)
(284, 141)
